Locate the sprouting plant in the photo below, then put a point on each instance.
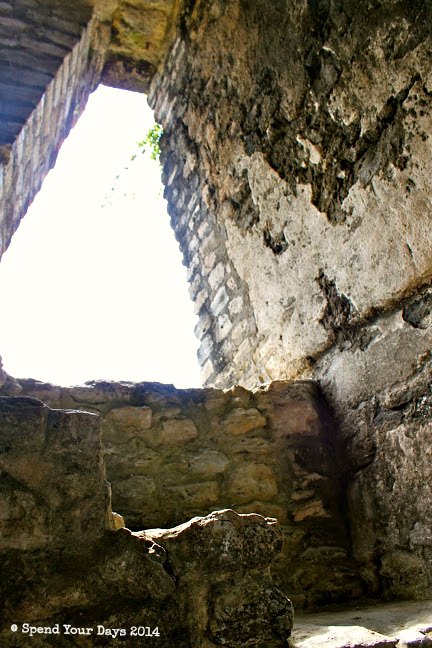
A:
(151, 142)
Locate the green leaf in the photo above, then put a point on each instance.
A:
(151, 142)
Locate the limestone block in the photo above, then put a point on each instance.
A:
(302, 495)
(208, 463)
(239, 616)
(102, 391)
(167, 412)
(292, 408)
(202, 326)
(198, 494)
(53, 489)
(130, 419)
(49, 394)
(122, 459)
(222, 540)
(137, 493)
(222, 559)
(241, 421)
(123, 423)
(215, 401)
(216, 276)
(240, 396)
(251, 481)
(205, 349)
(311, 509)
(223, 327)
(219, 302)
(207, 371)
(118, 521)
(266, 509)
(177, 431)
(251, 445)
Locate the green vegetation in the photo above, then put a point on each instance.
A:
(151, 142)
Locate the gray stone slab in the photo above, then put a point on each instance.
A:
(402, 624)
(315, 636)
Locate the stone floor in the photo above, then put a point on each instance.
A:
(395, 625)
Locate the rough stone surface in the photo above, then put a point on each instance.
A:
(174, 454)
(320, 219)
(140, 34)
(385, 425)
(244, 610)
(64, 565)
(53, 490)
(396, 624)
(297, 151)
(33, 44)
(297, 164)
(57, 55)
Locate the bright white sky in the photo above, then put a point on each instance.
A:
(92, 284)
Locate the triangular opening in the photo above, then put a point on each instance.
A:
(92, 284)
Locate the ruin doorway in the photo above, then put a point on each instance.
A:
(92, 284)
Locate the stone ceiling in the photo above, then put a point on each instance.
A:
(140, 36)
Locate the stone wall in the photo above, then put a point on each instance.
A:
(65, 569)
(140, 36)
(53, 54)
(296, 164)
(382, 395)
(174, 454)
(53, 490)
(71, 54)
(297, 158)
(33, 45)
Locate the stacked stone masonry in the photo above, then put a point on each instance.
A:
(25, 159)
(308, 140)
(310, 144)
(297, 163)
(172, 455)
(65, 568)
(52, 56)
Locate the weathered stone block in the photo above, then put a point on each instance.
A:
(249, 482)
(130, 421)
(313, 509)
(137, 493)
(390, 507)
(242, 421)
(294, 409)
(159, 484)
(208, 462)
(219, 541)
(53, 489)
(122, 458)
(177, 431)
(195, 495)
